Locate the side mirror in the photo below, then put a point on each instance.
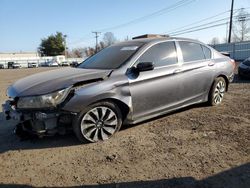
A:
(145, 66)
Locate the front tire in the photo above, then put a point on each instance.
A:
(98, 122)
(217, 91)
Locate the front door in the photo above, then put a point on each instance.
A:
(159, 89)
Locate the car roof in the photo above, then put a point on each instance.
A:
(154, 40)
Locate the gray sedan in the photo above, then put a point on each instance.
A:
(123, 84)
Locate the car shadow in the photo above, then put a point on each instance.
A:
(200, 105)
(9, 141)
(237, 177)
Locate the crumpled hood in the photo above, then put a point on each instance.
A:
(49, 81)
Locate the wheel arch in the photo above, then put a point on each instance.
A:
(124, 108)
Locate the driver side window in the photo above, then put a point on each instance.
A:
(161, 54)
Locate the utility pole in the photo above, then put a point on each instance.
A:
(96, 39)
(65, 47)
(231, 22)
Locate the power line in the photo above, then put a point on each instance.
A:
(157, 13)
(205, 24)
(191, 31)
(194, 23)
(143, 18)
(208, 27)
(202, 20)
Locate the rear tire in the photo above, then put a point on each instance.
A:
(217, 91)
(98, 122)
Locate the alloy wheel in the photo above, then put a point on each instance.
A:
(99, 123)
(219, 92)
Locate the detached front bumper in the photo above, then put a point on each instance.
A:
(39, 121)
(10, 112)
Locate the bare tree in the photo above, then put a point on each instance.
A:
(109, 38)
(76, 53)
(214, 41)
(241, 28)
(102, 45)
(90, 51)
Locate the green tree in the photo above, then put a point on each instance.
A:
(53, 45)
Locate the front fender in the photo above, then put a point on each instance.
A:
(104, 90)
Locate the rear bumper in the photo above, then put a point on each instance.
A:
(231, 78)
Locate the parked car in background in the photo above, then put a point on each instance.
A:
(65, 64)
(244, 69)
(53, 64)
(16, 65)
(74, 64)
(1, 66)
(10, 65)
(125, 83)
(32, 65)
(43, 64)
(49, 64)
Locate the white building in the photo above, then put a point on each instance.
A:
(24, 58)
(15, 55)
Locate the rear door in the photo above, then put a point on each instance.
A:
(196, 71)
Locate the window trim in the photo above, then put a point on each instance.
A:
(153, 44)
(200, 44)
(197, 42)
(203, 46)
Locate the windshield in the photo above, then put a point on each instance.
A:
(111, 57)
(247, 62)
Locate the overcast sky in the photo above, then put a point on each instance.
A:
(24, 22)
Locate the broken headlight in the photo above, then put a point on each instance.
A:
(43, 101)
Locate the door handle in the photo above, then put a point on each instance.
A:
(211, 63)
(177, 71)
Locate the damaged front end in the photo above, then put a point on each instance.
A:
(40, 115)
(39, 102)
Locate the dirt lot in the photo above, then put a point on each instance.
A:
(199, 146)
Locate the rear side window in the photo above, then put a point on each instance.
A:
(161, 54)
(191, 51)
(207, 52)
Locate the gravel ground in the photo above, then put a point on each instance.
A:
(199, 146)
